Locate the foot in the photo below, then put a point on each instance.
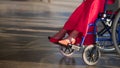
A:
(67, 41)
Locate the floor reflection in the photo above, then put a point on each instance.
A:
(68, 61)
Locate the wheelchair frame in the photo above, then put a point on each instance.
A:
(108, 33)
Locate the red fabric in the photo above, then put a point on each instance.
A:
(85, 14)
(111, 1)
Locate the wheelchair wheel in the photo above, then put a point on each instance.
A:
(116, 33)
(104, 37)
(104, 47)
(66, 51)
(91, 55)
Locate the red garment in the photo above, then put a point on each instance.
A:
(85, 14)
(111, 1)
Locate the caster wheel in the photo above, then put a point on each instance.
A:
(66, 51)
(91, 55)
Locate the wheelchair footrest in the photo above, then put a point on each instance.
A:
(75, 47)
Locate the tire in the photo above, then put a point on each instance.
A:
(91, 55)
(66, 51)
(116, 33)
(106, 48)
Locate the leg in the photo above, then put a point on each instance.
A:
(89, 15)
(70, 39)
(58, 36)
(69, 25)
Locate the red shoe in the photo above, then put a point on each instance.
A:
(53, 40)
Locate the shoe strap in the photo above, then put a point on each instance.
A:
(70, 40)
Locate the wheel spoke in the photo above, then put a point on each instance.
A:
(65, 50)
(91, 55)
(69, 49)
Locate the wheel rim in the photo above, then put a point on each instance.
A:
(90, 55)
(66, 51)
(116, 33)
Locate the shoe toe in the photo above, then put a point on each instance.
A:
(53, 40)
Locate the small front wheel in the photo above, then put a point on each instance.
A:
(66, 51)
(91, 54)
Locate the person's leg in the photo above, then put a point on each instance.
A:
(111, 1)
(89, 15)
(90, 38)
(58, 36)
(69, 25)
(72, 21)
(78, 38)
(71, 39)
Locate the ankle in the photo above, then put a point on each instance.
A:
(74, 34)
(60, 34)
(71, 40)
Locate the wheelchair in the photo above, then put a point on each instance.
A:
(107, 38)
